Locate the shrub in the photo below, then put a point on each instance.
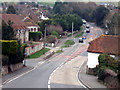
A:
(102, 61)
(9, 47)
(35, 36)
(107, 61)
(95, 71)
(4, 60)
(23, 47)
(55, 33)
(118, 71)
(13, 50)
(101, 73)
(51, 39)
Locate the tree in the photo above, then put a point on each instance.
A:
(55, 34)
(99, 15)
(7, 31)
(11, 10)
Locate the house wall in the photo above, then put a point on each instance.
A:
(93, 59)
(33, 27)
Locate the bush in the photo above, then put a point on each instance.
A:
(9, 47)
(101, 73)
(4, 60)
(118, 71)
(35, 36)
(23, 47)
(107, 61)
(55, 33)
(13, 50)
(51, 39)
(102, 61)
(95, 71)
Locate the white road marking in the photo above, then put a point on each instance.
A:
(12, 79)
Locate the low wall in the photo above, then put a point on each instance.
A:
(12, 68)
(111, 79)
(33, 49)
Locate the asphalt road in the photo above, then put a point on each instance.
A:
(39, 77)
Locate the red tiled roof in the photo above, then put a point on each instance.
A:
(108, 44)
(17, 22)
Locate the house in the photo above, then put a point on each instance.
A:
(105, 44)
(31, 24)
(18, 25)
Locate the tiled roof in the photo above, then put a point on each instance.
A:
(17, 22)
(108, 44)
(29, 22)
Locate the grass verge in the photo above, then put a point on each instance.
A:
(79, 35)
(59, 51)
(38, 54)
(68, 43)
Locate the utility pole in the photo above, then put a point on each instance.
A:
(44, 39)
(72, 28)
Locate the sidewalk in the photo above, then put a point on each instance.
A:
(89, 80)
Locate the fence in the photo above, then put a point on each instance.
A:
(33, 49)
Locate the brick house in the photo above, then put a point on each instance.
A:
(105, 44)
(18, 25)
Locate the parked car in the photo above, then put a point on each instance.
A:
(80, 40)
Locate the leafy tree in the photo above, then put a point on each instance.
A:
(11, 10)
(7, 31)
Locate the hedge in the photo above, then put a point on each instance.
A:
(12, 52)
(35, 36)
(9, 47)
(55, 33)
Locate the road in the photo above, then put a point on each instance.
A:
(46, 74)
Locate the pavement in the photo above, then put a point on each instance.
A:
(90, 81)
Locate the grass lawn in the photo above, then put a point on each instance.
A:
(59, 51)
(79, 35)
(68, 43)
(38, 54)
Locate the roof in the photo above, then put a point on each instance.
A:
(29, 22)
(17, 22)
(107, 44)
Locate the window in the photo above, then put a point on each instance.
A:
(34, 29)
(31, 29)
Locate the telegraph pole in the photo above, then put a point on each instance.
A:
(44, 39)
(72, 28)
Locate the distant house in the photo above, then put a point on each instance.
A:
(18, 25)
(31, 25)
(107, 44)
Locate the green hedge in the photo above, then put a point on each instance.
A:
(9, 47)
(35, 36)
(55, 33)
(12, 52)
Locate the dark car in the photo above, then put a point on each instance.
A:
(80, 40)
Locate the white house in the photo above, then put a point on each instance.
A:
(107, 44)
(31, 25)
